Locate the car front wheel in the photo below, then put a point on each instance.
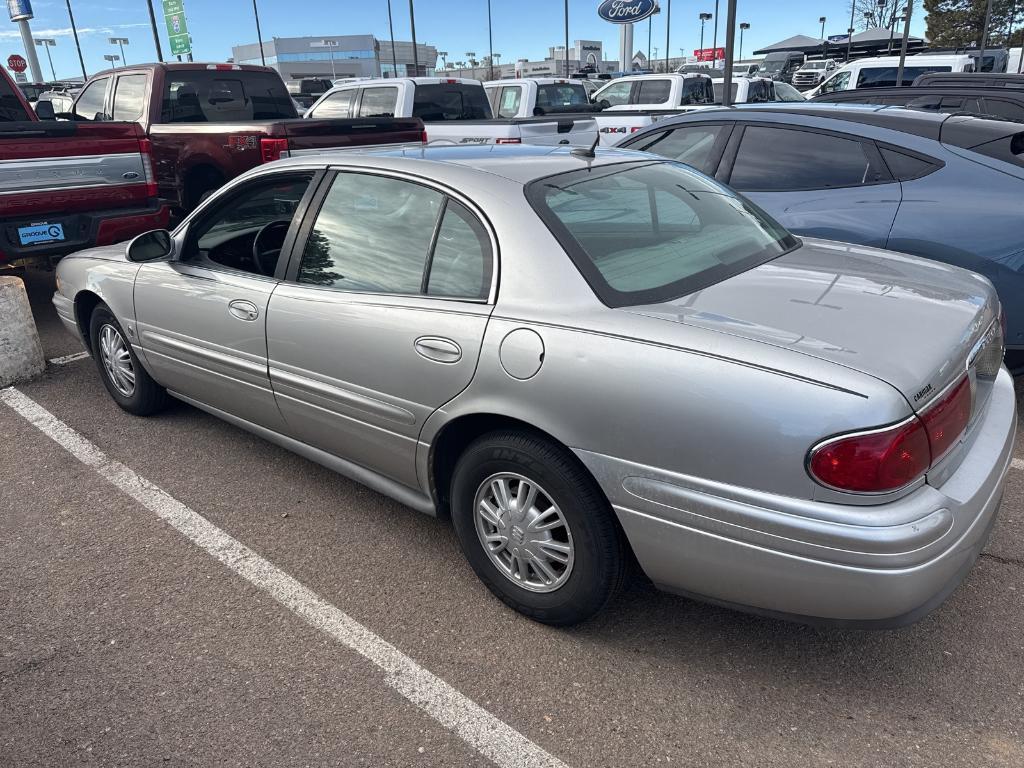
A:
(536, 528)
(124, 377)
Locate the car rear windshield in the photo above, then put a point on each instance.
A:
(562, 95)
(450, 101)
(643, 233)
(11, 108)
(219, 96)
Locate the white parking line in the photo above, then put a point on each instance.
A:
(481, 730)
(68, 358)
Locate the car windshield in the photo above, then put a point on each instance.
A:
(814, 65)
(222, 96)
(562, 95)
(643, 233)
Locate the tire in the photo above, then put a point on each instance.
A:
(598, 559)
(145, 397)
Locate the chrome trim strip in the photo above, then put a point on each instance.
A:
(343, 397)
(205, 353)
(54, 174)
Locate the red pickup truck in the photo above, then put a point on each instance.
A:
(210, 122)
(68, 186)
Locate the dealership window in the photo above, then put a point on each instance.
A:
(780, 160)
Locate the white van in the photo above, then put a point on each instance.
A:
(881, 72)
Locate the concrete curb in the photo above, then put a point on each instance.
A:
(21, 354)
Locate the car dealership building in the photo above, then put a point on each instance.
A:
(339, 56)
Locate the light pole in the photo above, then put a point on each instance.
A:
(849, 32)
(444, 58)
(120, 42)
(704, 18)
(984, 36)
(824, 42)
(48, 43)
(490, 43)
(743, 26)
(714, 39)
(259, 34)
(471, 58)
(74, 31)
(156, 35)
(495, 59)
(331, 44)
(730, 51)
(906, 36)
(112, 57)
(668, 31)
(415, 52)
(391, 31)
(566, 9)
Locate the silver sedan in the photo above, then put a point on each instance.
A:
(584, 361)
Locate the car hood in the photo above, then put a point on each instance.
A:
(905, 320)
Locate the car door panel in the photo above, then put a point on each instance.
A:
(862, 215)
(349, 379)
(195, 345)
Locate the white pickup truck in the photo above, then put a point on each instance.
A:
(634, 102)
(454, 111)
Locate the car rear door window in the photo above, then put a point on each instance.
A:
(378, 102)
(460, 265)
(1008, 110)
(784, 159)
(692, 145)
(129, 97)
(449, 101)
(508, 103)
(91, 104)
(654, 91)
(337, 105)
(906, 167)
(616, 94)
(373, 234)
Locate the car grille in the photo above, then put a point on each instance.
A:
(804, 79)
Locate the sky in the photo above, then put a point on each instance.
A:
(521, 28)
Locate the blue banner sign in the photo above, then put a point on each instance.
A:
(19, 9)
(626, 11)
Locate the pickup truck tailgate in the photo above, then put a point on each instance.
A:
(316, 136)
(554, 130)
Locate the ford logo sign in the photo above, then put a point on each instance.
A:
(626, 11)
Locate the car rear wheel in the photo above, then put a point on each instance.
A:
(536, 528)
(124, 377)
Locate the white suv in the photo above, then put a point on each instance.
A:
(812, 73)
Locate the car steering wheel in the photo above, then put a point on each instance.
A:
(266, 247)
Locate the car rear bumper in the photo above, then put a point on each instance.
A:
(868, 566)
(81, 231)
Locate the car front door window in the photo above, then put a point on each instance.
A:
(337, 105)
(615, 94)
(839, 82)
(91, 105)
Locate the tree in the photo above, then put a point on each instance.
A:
(959, 23)
(868, 15)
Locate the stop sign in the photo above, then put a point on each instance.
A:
(17, 63)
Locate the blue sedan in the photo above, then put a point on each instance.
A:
(948, 187)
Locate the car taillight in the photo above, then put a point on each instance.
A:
(888, 459)
(873, 462)
(424, 137)
(146, 148)
(508, 141)
(273, 149)
(947, 419)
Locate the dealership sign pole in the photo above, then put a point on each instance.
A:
(20, 12)
(626, 13)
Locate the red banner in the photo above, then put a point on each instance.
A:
(710, 54)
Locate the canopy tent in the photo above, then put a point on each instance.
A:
(870, 42)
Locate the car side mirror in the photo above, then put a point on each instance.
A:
(604, 104)
(151, 246)
(44, 110)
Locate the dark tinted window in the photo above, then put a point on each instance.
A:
(757, 91)
(217, 96)
(720, 88)
(337, 105)
(697, 90)
(691, 145)
(450, 102)
(1008, 110)
(1009, 149)
(905, 167)
(460, 266)
(650, 232)
(654, 91)
(885, 77)
(780, 159)
(372, 235)
(562, 95)
(90, 103)
(129, 97)
(11, 108)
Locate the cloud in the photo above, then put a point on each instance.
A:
(66, 31)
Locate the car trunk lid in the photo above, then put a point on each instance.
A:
(912, 323)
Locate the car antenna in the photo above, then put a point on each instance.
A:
(587, 152)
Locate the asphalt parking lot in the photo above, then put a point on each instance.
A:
(123, 642)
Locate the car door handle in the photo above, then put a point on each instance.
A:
(243, 310)
(437, 349)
